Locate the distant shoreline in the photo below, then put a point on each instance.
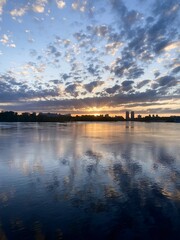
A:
(95, 120)
(54, 117)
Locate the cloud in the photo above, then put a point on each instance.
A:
(168, 9)
(119, 6)
(166, 81)
(100, 31)
(126, 67)
(18, 12)
(60, 4)
(79, 36)
(55, 81)
(166, 45)
(66, 42)
(75, 5)
(172, 45)
(65, 76)
(163, 83)
(82, 6)
(34, 67)
(78, 104)
(19, 95)
(72, 89)
(127, 85)
(52, 50)
(7, 41)
(142, 83)
(12, 90)
(12, 45)
(113, 89)
(157, 73)
(93, 69)
(112, 48)
(4, 39)
(135, 72)
(125, 17)
(39, 6)
(161, 45)
(146, 37)
(92, 85)
(176, 70)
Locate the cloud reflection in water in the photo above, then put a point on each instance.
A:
(90, 180)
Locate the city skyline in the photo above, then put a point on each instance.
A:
(90, 57)
(11, 116)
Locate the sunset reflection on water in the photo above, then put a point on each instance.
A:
(89, 180)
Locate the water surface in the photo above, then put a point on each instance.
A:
(89, 181)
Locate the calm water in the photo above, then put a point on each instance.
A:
(89, 181)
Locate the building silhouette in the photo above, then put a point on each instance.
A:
(127, 115)
(132, 115)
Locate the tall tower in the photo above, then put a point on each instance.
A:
(132, 115)
(127, 115)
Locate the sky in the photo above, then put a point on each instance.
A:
(90, 56)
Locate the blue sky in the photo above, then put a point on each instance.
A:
(82, 56)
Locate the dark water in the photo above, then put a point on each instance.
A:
(89, 181)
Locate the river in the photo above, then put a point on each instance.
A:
(118, 180)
